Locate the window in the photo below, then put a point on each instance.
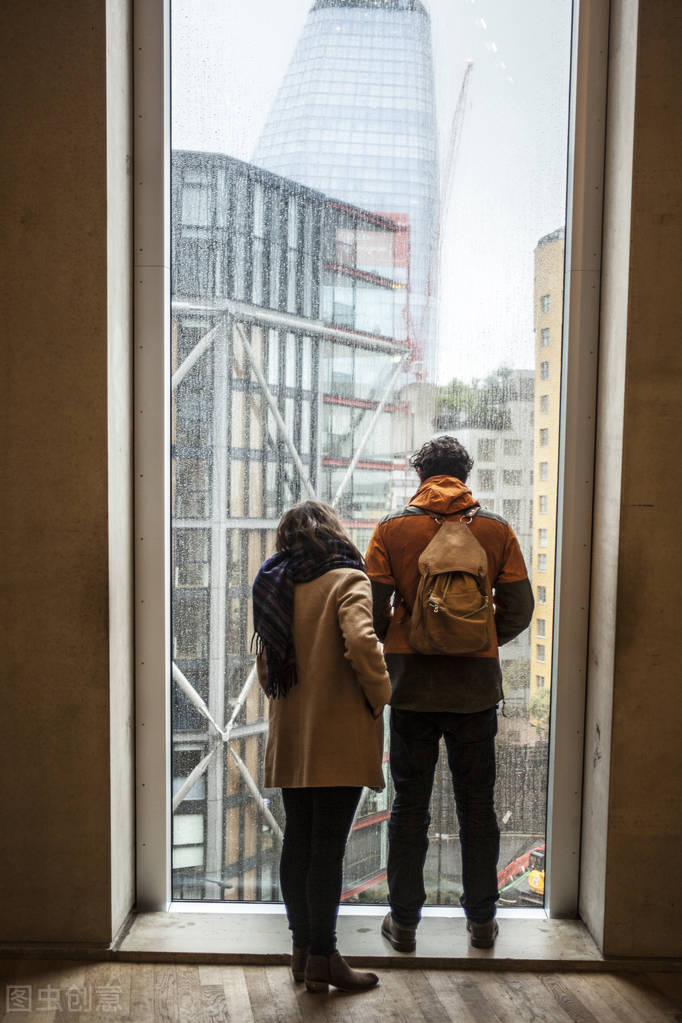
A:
(511, 510)
(544, 303)
(544, 337)
(542, 594)
(486, 450)
(290, 310)
(542, 537)
(542, 504)
(540, 652)
(541, 624)
(544, 471)
(511, 477)
(544, 371)
(544, 437)
(544, 403)
(542, 562)
(540, 681)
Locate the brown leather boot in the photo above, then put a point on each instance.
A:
(299, 957)
(321, 971)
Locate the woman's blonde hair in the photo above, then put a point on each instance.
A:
(311, 524)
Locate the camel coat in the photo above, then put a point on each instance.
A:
(326, 731)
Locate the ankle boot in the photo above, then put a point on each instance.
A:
(321, 971)
(299, 957)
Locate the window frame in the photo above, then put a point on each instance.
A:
(151, 390)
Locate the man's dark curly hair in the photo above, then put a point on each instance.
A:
(442, 456)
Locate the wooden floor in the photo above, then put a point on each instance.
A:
(39, 991)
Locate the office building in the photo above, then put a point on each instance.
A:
(548, 316)
(355, 118)
(289, 334)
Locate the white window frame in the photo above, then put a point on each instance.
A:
(152, 501)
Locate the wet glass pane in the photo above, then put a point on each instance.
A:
(367, 204)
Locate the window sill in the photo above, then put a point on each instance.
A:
(527, 939)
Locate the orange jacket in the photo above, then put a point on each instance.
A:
(392, 564)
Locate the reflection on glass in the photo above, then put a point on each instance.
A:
(356, 265)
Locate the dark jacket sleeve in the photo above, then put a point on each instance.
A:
(514, 605)
(381, 607)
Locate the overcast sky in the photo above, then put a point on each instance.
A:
(508, 189)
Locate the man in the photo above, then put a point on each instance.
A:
(438, 695)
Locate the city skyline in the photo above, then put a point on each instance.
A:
(508, 188)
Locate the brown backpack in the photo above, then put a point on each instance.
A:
(453, 610)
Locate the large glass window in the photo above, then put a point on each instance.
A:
(367, 250)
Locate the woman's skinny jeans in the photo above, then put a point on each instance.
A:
(318, 821)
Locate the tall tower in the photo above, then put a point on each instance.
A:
(355, 118)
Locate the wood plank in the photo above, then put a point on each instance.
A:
(165, 994)
(236, 994)
(566, 997)
(447, 985)
(142, 993)
(287, 994)
(259, 994)
(597, 996)
(669, 984)
(190, 995)
(531, 1000)
(640, 997)
(214, 1007)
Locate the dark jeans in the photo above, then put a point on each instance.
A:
(317, 824)
(470, 742)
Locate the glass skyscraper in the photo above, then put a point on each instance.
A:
(355, 118)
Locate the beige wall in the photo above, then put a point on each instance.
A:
(66, 817)
(632, 836)
(59, 686)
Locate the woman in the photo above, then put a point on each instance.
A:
(321, 666)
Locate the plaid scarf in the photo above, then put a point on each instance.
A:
(273, 605)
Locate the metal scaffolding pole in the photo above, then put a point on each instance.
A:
(281, 425)
(370, 429)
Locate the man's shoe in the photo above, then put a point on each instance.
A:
(403, 939)
(482, 935)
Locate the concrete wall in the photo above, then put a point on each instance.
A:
(632, 837)
(59, 311)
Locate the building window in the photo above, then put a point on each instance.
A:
(486, 479)
(544, 471)
(511, 477)
(512, 447)
(544, 337)
(544, 371)
(544, 437)
(544, 303)
(540, 652)
(542, 503)
(542, 537)
(544, 403)
(542, 594)
(541, 624)
(486, 450)
(542, 562)
(511, 510)
(540, 681)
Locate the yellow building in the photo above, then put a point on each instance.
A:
(547, 319)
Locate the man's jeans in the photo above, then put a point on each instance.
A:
(470, 742)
